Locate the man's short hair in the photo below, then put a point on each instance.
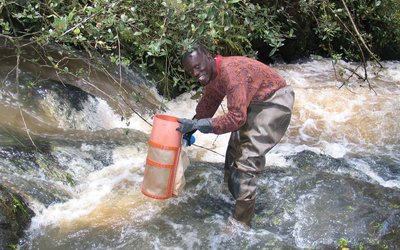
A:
(197, 47)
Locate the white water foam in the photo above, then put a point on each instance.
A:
(94, 189)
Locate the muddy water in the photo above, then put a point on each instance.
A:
(335, 175)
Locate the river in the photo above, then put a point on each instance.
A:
(334, 177)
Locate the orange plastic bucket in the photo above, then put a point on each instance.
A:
(162, 157)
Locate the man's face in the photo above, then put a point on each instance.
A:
(199, 66)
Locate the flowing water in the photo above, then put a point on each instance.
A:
(335, 175)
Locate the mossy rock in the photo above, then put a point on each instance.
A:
(15, 216)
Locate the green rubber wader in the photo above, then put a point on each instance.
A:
(266, 124)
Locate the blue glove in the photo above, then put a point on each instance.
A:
(187, 125)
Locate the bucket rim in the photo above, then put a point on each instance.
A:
(169, 118)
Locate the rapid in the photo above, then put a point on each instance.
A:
(335, 175)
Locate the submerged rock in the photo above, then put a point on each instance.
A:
(319, 200)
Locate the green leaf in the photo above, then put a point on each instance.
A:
(60, 24)
(272, 52)
(71, 15)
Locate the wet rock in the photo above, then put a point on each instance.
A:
(34, 175)
(15, 216)
(94, 76)
(38, 164)
(390, 228)
(68, 95)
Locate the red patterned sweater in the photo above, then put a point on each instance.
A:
(242, 80)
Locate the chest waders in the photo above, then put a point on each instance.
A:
(267, 122)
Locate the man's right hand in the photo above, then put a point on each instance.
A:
(187, 125)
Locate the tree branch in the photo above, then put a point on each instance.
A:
(359, 35)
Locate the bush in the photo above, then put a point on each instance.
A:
(152, 36)
(377, 23)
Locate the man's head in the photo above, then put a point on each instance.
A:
(200, 64)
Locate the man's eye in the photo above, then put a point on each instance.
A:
(197, 67)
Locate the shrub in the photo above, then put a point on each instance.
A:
(151, 36)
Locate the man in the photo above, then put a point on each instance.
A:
(259, 110)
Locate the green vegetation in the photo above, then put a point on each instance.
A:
(154, 36)
(12, 246)
(18, 205)
(342, 244)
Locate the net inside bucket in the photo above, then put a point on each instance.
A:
(162, 158)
